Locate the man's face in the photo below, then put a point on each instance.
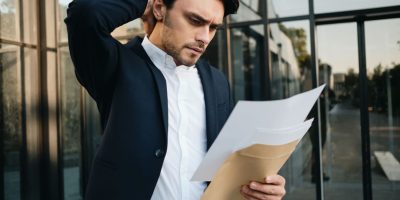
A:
(189, 26)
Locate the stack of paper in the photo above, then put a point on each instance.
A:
(255, 142)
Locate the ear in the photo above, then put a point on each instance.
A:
(159, 9)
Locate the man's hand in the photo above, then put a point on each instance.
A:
(272, 189)
(149, 21)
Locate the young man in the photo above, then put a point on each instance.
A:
(161, 107)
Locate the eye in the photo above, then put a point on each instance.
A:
(213, 28)
(195, 21)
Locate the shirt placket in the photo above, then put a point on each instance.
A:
(183, 90)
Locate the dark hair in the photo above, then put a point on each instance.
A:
(230, 6)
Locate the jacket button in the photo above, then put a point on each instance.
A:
(159, 153)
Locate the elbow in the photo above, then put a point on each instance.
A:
(79, 10)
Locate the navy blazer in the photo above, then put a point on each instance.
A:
(131, 96)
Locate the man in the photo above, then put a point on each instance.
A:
(161, 107)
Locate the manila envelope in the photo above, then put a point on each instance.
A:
(253, 163)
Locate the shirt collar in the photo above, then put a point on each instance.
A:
(159, 57)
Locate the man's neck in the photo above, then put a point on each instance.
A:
(155, 36)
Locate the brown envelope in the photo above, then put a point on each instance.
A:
(253, 163)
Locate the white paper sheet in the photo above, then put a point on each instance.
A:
(262, 122)
(275, 136)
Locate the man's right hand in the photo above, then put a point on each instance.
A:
(149, 21)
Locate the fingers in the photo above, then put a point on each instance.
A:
(275, 180)
(272, 189)
(246, 196)
(275, 190)
(148, 12)
(251, 194)
(148, 18)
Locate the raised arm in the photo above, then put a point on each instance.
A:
(94, 52)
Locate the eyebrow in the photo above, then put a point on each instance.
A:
(203, 20)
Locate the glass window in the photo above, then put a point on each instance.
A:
(383, 68)
(9, 19)
(323, 6)
(340, 111)
(248, 62)
(11, 119)
(287, 8)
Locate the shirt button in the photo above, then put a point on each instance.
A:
(159, 153)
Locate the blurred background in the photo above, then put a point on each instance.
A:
(271, 49)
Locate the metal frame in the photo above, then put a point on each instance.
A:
(359, 16)
(268, 71)
(316, 109)
(43, 103)
(23, 150)
(365, 140)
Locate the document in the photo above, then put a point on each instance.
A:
(256, 140)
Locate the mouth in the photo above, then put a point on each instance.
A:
(196, 50)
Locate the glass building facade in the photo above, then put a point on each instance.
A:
(271, 49)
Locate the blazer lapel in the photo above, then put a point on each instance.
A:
(159, 79)
(210, 101)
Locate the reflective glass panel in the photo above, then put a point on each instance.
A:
(216, 51)
(289, 50)
(11, 119)
(248, 63)
(323, 6)
(340, 111)
(70, 127)
(9, 25)
(249, 10)
(290, 75)
(383, 68)
(287, 8)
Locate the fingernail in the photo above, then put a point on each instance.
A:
(268, 179)
(253, 185)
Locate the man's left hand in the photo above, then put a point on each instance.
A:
(273, 188)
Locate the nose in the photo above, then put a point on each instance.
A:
(203, 35)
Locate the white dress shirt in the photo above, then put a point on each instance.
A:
(186, 128)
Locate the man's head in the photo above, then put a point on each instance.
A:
(184, 28)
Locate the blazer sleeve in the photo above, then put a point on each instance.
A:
(94, 52)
